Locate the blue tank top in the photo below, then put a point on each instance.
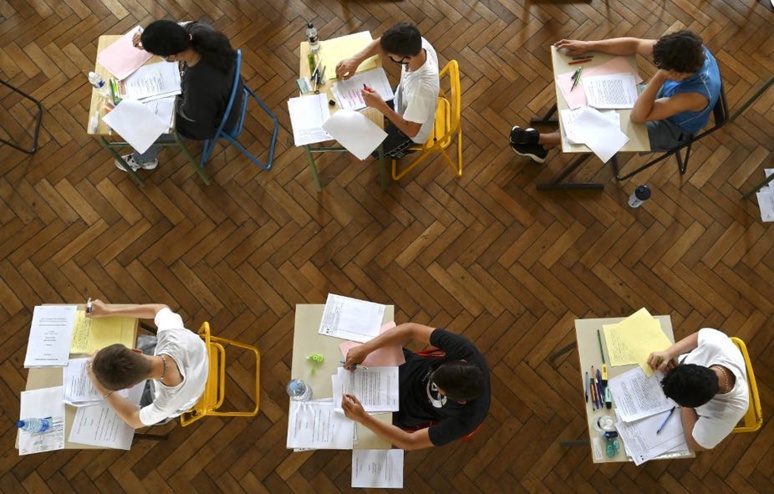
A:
(705, 82)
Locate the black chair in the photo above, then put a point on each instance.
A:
(720, 115)
(36, 128)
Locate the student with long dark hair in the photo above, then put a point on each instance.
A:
(207, 62)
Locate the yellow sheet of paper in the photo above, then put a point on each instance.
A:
(335, 50)
(632, 340)
(92, 334)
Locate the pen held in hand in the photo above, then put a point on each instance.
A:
(355, 365)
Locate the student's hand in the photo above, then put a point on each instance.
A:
(372, 99)
(98, 309)
(346, 68)
(572, 47)
(353, 410)
(661, 361)
(136, 40)
(355, 356)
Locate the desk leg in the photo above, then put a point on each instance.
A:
(557, 184)
(187, 153)
(382, 168)
(758, 187)
(313, 168)
(547, 119)
(118, 157)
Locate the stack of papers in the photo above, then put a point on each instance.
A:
(154, 81)
(375, 387)
(576, 98)
(42, 403)
(316, 425)
(351, 319)
(98, 425)
(337, 49)
(610, 91)
(349, 94)
(632, 340)
(601, 132)
(122, 58)
(50, 335)
(383, 357)
(377, 468)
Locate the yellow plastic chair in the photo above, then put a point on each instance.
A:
(447, 125)
(215, 389)
(753, 419)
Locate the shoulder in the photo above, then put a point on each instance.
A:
(166, 319)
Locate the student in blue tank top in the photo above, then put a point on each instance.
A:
(676, 102)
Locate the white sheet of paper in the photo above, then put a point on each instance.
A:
(42, 403)
(78, 388)
(641, 441)
(355, 132)
(51, 332)
(136, 123)
(637, 396)
(375, 387)
(387, 356)
(164, 109)
(570, 127)
(316, 425)
(122, 58)
(157, 80)
(99, 425)
(349, 94)
(610, 91)
(307, 116)
(766, 203)
(599, 134)
(382, 468)
(351, 319)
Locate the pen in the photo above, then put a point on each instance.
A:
(356, 365)
(658, 431)
(88, 306)
(582, 57)
(600, 389)
(577, 79)
(586, 392)
(594, 397)
(584, 60)
(599, 335)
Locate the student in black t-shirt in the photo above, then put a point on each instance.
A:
(207, 64)
(451, 392)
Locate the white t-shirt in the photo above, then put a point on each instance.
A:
(416, 98)
(189, 353)
(722, 413)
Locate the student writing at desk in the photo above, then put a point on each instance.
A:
(451, 393)
(709, 384)
(676, 102)
(207, 63)
(176, 372)
(412, 115)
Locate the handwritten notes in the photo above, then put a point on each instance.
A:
(632, 340)
(92, 334)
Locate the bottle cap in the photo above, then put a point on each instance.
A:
(20, 424)
(309, 24)
(642, 192)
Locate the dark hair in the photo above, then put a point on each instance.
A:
(165, 38)
(690, 385)
(402, 39)
(681, 52)
(118, 367)
(459, 380)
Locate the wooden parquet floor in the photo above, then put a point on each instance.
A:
(486, 255)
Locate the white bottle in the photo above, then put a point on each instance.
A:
(298, 390)
(639, 196)
(37, 426)
(96, 80)
(311, 36)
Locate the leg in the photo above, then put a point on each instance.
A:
(396, 145)
(533, 144)
(664, 137)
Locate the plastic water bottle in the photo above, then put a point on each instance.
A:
(96, 80)
(311, 36)
(639, 196)
(36, 426)
(298, 390)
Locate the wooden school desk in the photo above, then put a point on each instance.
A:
(588, 354)
(637, 132)
(374, 115)
(104, 134)
(46, 377)
(306, 341)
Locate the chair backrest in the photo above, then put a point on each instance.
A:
(720, 111)
(214, 389)
(449, 113)
(753, 419)
(234, 90)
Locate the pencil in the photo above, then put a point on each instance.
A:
(583, 60)
(599, 336)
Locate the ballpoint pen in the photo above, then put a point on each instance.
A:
(658, 431)
(88, 306)
(586, 392)
(577, 79)
(356, 365)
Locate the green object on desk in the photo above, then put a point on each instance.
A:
(601, 353)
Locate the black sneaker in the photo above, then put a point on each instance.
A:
(524, 136)
(534, 151)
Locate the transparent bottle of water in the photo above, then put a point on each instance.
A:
(298, 390)
(639, 196)
(34, 425)
(311, 36)
(96, 80)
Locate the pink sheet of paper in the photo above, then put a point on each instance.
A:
(122, 58)
(383, 357)
(576, 98)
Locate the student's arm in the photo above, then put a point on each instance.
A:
(661, 360)
(613, 46)
(647, 108)
(373, 100)
(125, 409)
(139, 311)
(399, 335)
(347, 67)
(406, 441)
(689, 418)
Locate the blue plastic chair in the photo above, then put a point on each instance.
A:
(233, 134)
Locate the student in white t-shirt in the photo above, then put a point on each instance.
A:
(709, 384)
(179, 366)
(412, 114)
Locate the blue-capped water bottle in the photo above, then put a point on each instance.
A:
(639, 196)
(34, 425)
(298, 390)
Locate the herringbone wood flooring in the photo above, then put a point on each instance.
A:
(486, 255)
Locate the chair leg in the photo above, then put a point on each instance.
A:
(683, 166)
(36, 127)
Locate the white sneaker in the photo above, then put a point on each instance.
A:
(129, 158)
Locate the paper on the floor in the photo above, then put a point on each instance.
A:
(383, 357)
(349, 94)
(610, 91)
(359, 135)
(642, 443)
(378, 468)
(351, 319)
(766, 198)
(599, 134)
(307, 116)
(316, 425)
(632, 340)
(375, 387)
(51, 332)
(136, 123)
(99, 425)
(42, 403)
(122, 58)
(637, 396)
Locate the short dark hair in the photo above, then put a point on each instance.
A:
(402, 39)
(459, 380)
(117, 367)
(690, 385)
(682, 52)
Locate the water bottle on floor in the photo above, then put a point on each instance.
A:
(298, 390)
(639, 196)
(35, 425)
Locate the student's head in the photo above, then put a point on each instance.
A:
(459, 380)
(169, 40)
(690, 385)
(117, 367)
(165, 38)
(402, 41)
(680, 53)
